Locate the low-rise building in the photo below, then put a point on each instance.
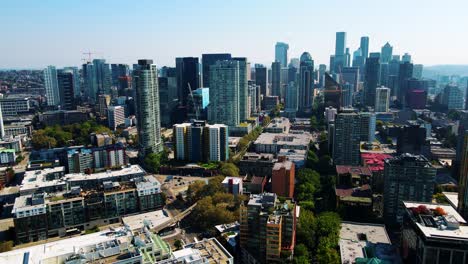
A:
(7, 156)
(433, 233)
(233, 185)
(278, 125)
(273, 143)
(257, 164)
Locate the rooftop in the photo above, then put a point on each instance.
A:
(438, 221)
(287, 164)
(375, 161)
(129, 170)
(284, 139)
(452, 197)
(235, 180)
(354, 237)
(353, 170)
(39, 178)
(151, 220)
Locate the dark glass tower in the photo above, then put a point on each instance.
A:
(188, 77)
(372, 77)
(207, 61)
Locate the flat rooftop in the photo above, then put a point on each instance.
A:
(354, 237)
(284, 139)
(452, 197)
(151, 220)
(38, 179)
(41, 253)
(449, 226)
(130, 170)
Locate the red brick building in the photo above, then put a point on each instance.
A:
(282, 180)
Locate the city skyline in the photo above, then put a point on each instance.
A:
(58, 33)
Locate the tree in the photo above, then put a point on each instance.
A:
(178, 244)
(41, 141)
(229, 169)
(266, 120)
(312, 159)
(306, 229)
(328, 225)
(152, 162)
(6, 246)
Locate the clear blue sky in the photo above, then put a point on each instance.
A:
(38, 33)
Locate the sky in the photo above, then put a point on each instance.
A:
(35, 34)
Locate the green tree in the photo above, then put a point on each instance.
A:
(266, 120)
(153, 162)
(312, 159)
(229, 169)
(6, 246)
(306, 229)
(40, 140)
(328, 225)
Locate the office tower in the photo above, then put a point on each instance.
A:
(261, 79)
(207, 61)
(382, 99)
(364, 47)
(347, 57)
(276, 79)
(321, 72)
(350, 75)
(347, 95)
(372, 78)
(384, 69)
(386, 54)
(51, 86)
(463, 181)
(340, 48)
(291, 98)
(452, 97)
(358, 59)
(332, 63)
(294, 62)
(284, 78)
(416, 99)
(243, 89)
(407, 178)
(417, 71)
(66, 82)
(267, 229)
(332, 93)
(118, 71)
(103, 76)
(406, 58)
(306, 82)
(198, 104)
(405, 73)
(145, 76)
(115, 116)
(346, 140)
(102, 104)
(76, 81)
(224, 93)
(188, 77)
(412, 139)
(281, 54)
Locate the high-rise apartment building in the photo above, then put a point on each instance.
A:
(349, 130)
(51, 86)
(382, 99)
(306, 82)
(261, 79)
(386, 53)
(66, 83)
(405, 73)
(281, 53)
(372, 78)
(77, 92)
(407, 178)
(188, 77)
(224, 93)
(207, 61)
(267, 229)
(97, 79)
(115, 116)
(145, 76)
(276, 79)
(243, 88)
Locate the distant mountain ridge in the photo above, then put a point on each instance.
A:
(448, 69)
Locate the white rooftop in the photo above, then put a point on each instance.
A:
(460, 233)
(151, 219)
(352, 242)
(37, 179)
(130, 170)
(235, 180)
(452, 197)
(40, 253)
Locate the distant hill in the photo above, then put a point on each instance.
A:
(433, 71)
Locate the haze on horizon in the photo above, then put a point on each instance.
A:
(40, 33)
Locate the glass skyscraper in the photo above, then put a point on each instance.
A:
(281, 53)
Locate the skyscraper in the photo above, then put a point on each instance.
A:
(51, 86)
(97, 79)
(224, 93)
(276, 79)
(243, 89)
(407, 178)
(332, 93)
(372, 78)
(417, 71)
(364, 47)
(452, 97)
(350, 75)
(406, 58)
(340, 48)
(261, 78)
(76, 81)
(281, 53)
(291, 98)
(118, 71)
(207, 61)
(382, 98)
(188, 77)
(66, 82)
(115, 116)
(306, 82)
(386, 54)
(145, 76)
(404, 74)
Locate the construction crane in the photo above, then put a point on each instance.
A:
(89, 53)
(197, 110)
